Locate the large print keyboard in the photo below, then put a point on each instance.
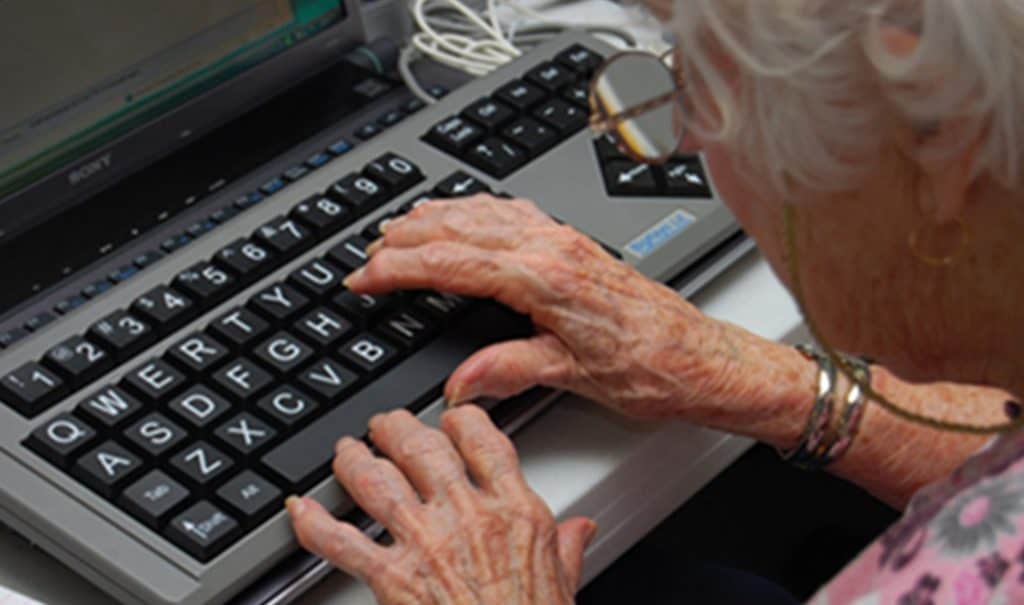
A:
(155, 433)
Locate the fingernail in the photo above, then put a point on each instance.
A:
(295, 505)
(340, 443)
(591, 532)
(376, 244)
(354, 276)
(384, 226)
(458, 397)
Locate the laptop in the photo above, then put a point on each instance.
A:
(183, 187)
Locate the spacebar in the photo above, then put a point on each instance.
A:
(304, 458)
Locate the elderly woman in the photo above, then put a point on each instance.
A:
(874, 149)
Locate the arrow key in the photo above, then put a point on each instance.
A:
(496, 157)
(460, 184)
(623, 177)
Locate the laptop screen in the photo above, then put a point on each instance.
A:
(86, 73)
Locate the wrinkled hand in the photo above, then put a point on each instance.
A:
(491, 541)
(604, 330)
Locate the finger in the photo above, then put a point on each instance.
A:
(480, 220)
(488, 453)
(573, 537)
(425, 455)
(509, 368)
(336, 541)
(445, 266)
(378, 487)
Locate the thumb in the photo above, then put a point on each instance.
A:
(573, 537)
(509, 368)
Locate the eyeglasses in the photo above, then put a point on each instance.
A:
(640, 100)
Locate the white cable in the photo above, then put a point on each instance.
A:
(476, 41)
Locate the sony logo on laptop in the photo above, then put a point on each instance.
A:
(89, 169)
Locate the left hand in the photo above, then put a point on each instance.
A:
(491, 541)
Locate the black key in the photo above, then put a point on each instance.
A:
(441, 305)
(408, 327)
(224, 214)
(295, 173)
(624, 177)
(283, 353)
(151, 498)
(199, 406)
(563, 117)
(78, 360)
(287, 405)
(285, 236)
(206, 283)
(245, 434)
(367, 131)
(147, 258)
(272, 186)
(122, 273)
(323, 215)
(317, 160)
(197, 354)
(416, 201)
(239, 328)
(394, 171)
(106, 468)
(328, 380)
(437, 91)
(359, 192)
(454, 134)
(496, 157)
(203, 530)
(248, 200)
(109, 407)
(36, 322)
(164, 308)
(580, 59)
(61, 308)
(520, 95)
(489, 113)
(242, 379)
(155, 380)
(375, 229)
(201, 462)
(577, 94)
(350, 253)
(96, 288)
(363, 308)
(413, 105)
(460, 184)
(391, 118)
(31, 389)
(368, 352)
(323, 328)
(279, 302)
(155, 435)
(608, 148)
(530, 135)
(550, 76)
(245, 259)
(340, 147)
(317, 277)
(305, 457)
(685, 178)
(61, 439)
(9, 337)
(173, 243)
(122, 334)
(252, 496)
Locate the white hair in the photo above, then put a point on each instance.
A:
(818, 85)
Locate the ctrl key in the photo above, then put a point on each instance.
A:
(203, 530)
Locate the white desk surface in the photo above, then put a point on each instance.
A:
(626, 475)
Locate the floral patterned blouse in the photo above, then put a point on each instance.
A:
(961, 541)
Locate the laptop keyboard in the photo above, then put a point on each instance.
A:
(219, 409)
(203, 442)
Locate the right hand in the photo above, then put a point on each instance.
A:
(603, 329)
